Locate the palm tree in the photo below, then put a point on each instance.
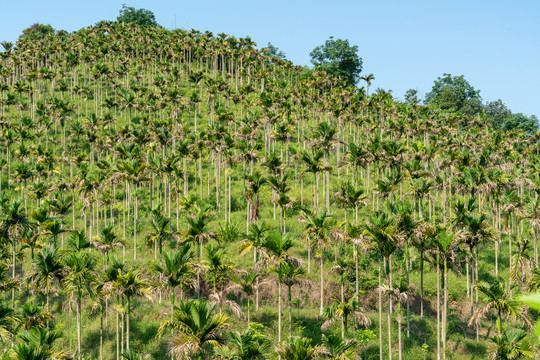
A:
(368, 79)
(107, 241)
(380, 229)
(254, 184)
(129, 285)
(47, 270)
(38, 344)
(247, 282)
(513, 345)
(254, 240)
(8, 324)
(338, 348)
(314, 163)
(400, 294)
(247, 345)
(318, 227)
(299, 348)
(198, 233)
(160, 232)
(446, 248)
(197, 329)
(280, 189)
(32, 316)
(176, 270)
(78, 281)
(275, 250)
(13, 222)
(343, 308)
(291, 274)
(498, 297)
(108, 279)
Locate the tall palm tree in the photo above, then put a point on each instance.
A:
(13, 222)
(247, 282)
(380, 229)
(107, 241)
(78, 282)
(160, 232)
(198, 233)
(128, 286)
(175, 270)
(48, 269)
(275, 250)
(318, 227)
(291, 274)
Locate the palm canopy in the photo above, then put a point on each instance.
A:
(498, 297)
(299, 348)
(380, 228)
(197, 329)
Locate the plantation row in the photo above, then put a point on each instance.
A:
(138, 164)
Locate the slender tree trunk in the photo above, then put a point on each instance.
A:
(279, 310)
(117, 332)
(380, 316)
(79, 355)
(290, 313)
(128, 311)
(322, 284)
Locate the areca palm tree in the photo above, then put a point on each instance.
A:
(160, 232)
(128, 286)
(498, 298)
(48, 270)
(254, 183)
(248, 345)
(513, 345)
(247, 282)
(197, 329)
(78, 282)
(299, 348)
(175, 270)
(446, 248)
(291, 274)
(8, 324)
(314, 165)
(337, 348)
(275, 250)
(318, 227)
(107, 241)
(380, 229)
(13, 222)
(198, 233)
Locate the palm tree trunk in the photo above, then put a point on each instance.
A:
(79, 355)
(399, 330)
(290, 313)
(380, 316)
(117, 332)
(421, 285)
(322, 284)
(438, 309)
(128, 310)
(101, 332)
(279, 309)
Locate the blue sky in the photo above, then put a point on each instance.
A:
(404, 43)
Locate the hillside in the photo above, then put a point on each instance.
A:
(144, 169)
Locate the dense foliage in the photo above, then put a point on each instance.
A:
(172, 193)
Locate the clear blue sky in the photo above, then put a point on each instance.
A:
(405, 44)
